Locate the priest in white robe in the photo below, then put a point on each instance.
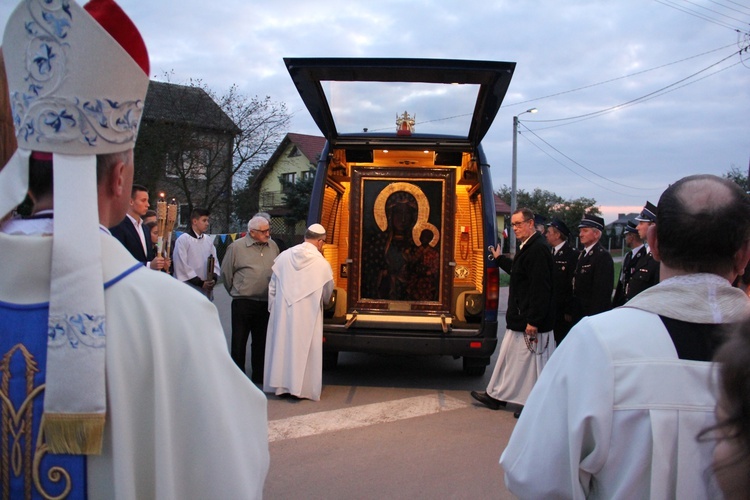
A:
(302, 281)
(617, 411)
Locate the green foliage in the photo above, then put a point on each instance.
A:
(549, 205)
(297, 196)
(247, 198)
(739, 177)
(572, 211)
(539, 201)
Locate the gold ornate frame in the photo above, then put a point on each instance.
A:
(428, 194)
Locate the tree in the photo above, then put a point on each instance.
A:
(572, 211)
(198, 146)
(549, 205)
(739, 177)
(539, 201)
(247, 198)
(297, 196)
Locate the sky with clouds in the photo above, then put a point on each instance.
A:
(631, 94)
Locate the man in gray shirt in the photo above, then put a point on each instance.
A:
(246, 271)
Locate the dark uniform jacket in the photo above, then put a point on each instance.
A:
(644, 274)
(593, 281)
(125, 232)
(626, 272)
(530, 299)
(564, 269)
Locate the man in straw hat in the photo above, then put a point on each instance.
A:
(107, 394)
(301, 282)
(617, 411)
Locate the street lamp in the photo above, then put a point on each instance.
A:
(513, 203)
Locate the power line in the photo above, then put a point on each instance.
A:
(617, 78)
(583, 167)
(738, 4)
(637, 99)
(669, 3)
(716, 12)
(640, 100)
(573, 171)
(731, 8)
(580, 88)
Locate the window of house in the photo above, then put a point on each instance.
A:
(306, 175)
(294, 152)
(190, 164)
(291, 178)
(184, 216)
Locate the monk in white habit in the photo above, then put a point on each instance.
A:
(302, 281)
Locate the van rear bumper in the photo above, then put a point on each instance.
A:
(478, 342)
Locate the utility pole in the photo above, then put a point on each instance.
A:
(513, 177)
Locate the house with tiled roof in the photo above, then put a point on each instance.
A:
(184, 150)
(294, 159)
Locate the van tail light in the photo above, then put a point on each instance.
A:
(492, 290)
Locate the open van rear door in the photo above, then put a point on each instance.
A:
(338, 93)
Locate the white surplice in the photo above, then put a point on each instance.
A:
(301, 283)
(191, 255)
(182, 420)
(616, 414)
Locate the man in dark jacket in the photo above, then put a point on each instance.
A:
(564, 257)
(645, 269)
(131, 233)
(528, 341)
(637, 249)
(595, 271)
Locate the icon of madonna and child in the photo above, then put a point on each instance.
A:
(400, 246)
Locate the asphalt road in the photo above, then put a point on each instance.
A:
(386, 427)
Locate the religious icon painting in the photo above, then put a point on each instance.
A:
(399, 235)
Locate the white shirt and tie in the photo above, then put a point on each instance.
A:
(139, 231)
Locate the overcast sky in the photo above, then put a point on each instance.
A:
(574, 59)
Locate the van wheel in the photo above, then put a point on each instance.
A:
(475, 367)
(330, 360)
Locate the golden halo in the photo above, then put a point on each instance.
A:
(423, 210)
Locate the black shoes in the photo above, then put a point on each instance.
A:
(487, 400)
(517, 413)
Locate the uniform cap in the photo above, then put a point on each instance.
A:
(560, 226)
(593, 221)
(648, 214)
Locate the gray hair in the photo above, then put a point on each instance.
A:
(256, 222)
